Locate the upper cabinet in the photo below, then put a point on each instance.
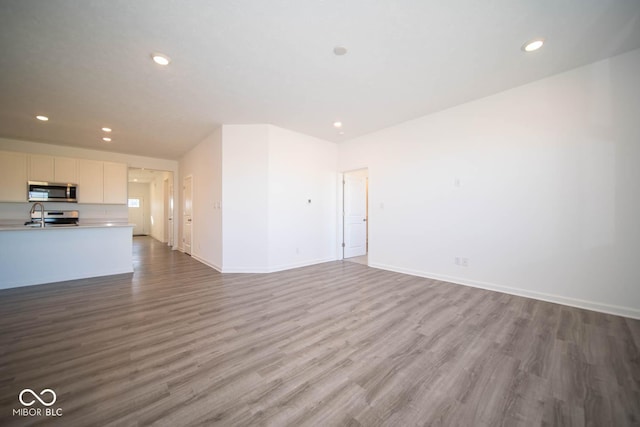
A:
(65, 170)
(98, 182)
(115, 183)
(90, 181)
(52, 169)
(102, 182)
(13, 177)
(41, 168)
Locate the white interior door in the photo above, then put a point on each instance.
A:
(355, 214)
(187, 220)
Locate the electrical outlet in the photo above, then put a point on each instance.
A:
(462, 262)
(297, 251)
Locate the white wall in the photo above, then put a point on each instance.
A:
(244, 198)
(251, 186)
(548, 201)
(301, 168)
(261, 191)
(204, 164)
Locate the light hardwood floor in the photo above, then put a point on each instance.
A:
(339, 343)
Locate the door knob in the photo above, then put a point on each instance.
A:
(365, 220)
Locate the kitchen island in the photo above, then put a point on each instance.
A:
(34, 255)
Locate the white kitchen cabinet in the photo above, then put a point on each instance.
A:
(41, 168)
(98, 182)
(102, 182)
(52, 169)
(13, 177)
(90, 181)
(65, 170)
(115, 183)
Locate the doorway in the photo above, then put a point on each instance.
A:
(152, 190)
(355, 231)
(138, 208)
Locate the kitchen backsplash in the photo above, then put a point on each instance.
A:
(17, 213)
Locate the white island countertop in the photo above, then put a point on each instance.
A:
(17, 227)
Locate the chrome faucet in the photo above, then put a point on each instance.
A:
(33, 209)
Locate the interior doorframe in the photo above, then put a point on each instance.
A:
(144, 197)
(341, 213)
(142, 206)
(166, 207)
(184, 201)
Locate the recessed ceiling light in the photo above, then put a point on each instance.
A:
(42, 118)
(341, 133)
(339, 50)
(106, 129)
(337, 124)
(160, 58)
(532, 45)
(105, 139)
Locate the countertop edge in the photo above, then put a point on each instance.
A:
(82, 226)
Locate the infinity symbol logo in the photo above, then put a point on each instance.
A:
(33, 393)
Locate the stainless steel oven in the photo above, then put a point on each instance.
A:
(54, 219)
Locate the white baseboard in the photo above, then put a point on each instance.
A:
(558, 299)
(276, 268)
(207, 263)
(245, 270)
(290, 266)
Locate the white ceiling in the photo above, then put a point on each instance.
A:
(86, 64)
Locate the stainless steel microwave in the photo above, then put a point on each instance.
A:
(52, 192)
